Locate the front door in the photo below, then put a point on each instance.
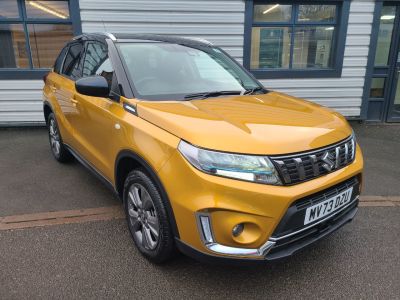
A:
(385, 84)
(95, 122)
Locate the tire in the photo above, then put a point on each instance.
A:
(59, 151)
(147, 218)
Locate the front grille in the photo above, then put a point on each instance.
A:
(309, 165)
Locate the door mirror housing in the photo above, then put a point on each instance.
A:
(95, 86)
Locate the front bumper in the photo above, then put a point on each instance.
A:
(270, 254)
(226, 202)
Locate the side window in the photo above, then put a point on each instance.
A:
(97, 62)
(71, 67)
(59, 60)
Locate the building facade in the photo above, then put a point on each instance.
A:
(343, 54)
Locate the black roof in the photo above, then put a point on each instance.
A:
(144, 37)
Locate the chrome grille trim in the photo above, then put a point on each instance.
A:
(314, 163)
(300, 167)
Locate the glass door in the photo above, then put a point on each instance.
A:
(393, 88)
(394, 102)
(384, 94)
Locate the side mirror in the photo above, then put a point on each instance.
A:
(95, 86)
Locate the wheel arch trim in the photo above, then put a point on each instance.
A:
(153, 175)
(47, 104)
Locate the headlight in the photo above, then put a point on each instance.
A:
(245, 167)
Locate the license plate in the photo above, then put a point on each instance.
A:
(324, 208)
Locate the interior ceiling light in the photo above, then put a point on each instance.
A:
(47, 9)
(387, 17)
(270, 9)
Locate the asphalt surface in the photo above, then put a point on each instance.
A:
(32, 181)
(380, 145)
(98, 260)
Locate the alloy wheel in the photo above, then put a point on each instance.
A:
(54, 137)
(143, 217)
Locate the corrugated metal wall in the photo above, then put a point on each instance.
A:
(345, 93)
(21, 101)
(222, 23)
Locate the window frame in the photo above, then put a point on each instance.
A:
(339, 40)
(31, 72)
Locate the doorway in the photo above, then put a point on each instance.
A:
(384, 93)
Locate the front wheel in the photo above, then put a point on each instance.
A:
(147, 218)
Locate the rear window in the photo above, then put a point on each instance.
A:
(59, 60)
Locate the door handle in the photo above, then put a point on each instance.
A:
(74, 101)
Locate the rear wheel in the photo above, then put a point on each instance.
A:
(147, 218)
(60, 152)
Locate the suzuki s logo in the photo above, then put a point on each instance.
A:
(328, 162)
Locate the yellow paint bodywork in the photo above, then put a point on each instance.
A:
(274, 123)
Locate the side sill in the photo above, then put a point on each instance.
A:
(93, 170)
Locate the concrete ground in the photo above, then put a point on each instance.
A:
(98, 259)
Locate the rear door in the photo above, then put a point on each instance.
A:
(64, 90)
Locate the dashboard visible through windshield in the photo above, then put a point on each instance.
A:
(165, 71)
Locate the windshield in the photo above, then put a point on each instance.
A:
(163, 71)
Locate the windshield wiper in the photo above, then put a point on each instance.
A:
(253, 90)
(211, 94)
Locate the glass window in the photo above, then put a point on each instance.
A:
(32, 33)
(71, 65)
(272, 13)
(96, 55)
(293, 37)
(377, 88)
(97, 62)
(9, 9)
(46, 41)
(317, 13)
(60, 60)
(44, 9)
(162, 71)
(385, 35)
(271, 47)
(397, 96)
(13, 47)
(312, 47)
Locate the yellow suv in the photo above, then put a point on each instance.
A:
(204, 158)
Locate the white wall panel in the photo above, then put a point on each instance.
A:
(222, 23)
(21, 101)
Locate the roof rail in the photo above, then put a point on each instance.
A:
(201, 40)
(107, 34)
(111, 36)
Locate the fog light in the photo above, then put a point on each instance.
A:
(237, 229)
